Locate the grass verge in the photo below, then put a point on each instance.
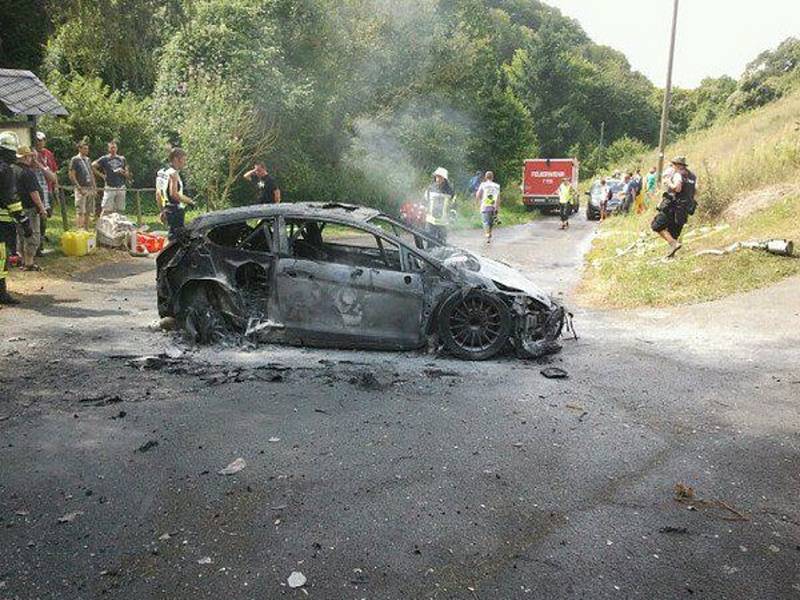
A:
(641, 278)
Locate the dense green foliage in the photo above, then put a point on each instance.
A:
(98, 114)
(355, 100)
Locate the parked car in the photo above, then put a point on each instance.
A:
(614, 204)
(338, 275)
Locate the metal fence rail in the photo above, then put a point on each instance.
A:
(137, 195)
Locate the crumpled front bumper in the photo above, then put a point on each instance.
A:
(538, 329)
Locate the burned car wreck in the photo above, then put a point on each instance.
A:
(336, 275)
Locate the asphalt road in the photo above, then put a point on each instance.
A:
(381, 475)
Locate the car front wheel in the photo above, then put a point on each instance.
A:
(474, 326)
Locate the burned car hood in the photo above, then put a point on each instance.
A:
(472, 266)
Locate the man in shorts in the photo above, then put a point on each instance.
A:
(676, 206)
(488, 194)
(113, 168)
(82, 177)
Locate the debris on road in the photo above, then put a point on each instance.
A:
(101, 400)
(273, 440)
(233, 468)
(554, 373)
(70, 517)
(673, 530)
(684, 493)
(296, 580)
(148, 445)
(367, 381)
(206, 560)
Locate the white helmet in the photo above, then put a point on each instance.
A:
(9, 141)
(442, 172)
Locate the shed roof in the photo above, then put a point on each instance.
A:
(22, 93)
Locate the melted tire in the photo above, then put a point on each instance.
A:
(475, 326)
(200, 318)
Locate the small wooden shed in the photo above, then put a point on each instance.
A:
(23, 99)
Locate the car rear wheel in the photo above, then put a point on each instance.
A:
(475, 326)
(200, 315)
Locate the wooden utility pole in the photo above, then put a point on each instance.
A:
(662, 141)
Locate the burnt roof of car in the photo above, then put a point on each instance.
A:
(349, 212)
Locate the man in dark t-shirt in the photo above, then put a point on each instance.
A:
(266, 186)
(29, 193)
(114, 169)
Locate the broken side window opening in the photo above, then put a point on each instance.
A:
(254, 235)
(341, 244)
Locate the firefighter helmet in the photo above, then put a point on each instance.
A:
(9, 141)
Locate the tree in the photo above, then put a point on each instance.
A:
(98, 114)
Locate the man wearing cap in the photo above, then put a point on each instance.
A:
(438, 197)
(29, 193)
(82, 177)
(676, 205)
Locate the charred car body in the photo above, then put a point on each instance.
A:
(339, 275)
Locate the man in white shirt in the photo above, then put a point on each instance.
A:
(488, 195)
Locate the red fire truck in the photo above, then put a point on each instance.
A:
(541, 178)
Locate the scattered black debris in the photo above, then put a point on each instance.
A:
(438, 373)
(367, 381)
(320, 411)
(148, 445)
(554, 373)
(673, 530)
(120, 415)
(102, 400)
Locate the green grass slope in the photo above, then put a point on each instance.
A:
(749, 189)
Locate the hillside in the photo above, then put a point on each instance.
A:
(749, 189)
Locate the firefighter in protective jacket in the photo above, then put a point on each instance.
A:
(439, 197)
(10, 208)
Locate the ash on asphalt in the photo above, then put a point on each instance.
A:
(381, 475)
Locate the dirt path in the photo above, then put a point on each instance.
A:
(385, 475)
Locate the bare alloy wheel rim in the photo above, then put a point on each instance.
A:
(476, 325)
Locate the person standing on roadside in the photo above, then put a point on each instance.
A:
(651, 182)
(638, 201)
(676, 205)
(43, 177)
(30, 195)
(81, 175)
(605, 196)
(488, 195)
(266, 186)
(438, 197)
(10, 208)
(171, 190)
(48, 163)
(113, 168)
(475, 182)
(628, 192)
(565, 194)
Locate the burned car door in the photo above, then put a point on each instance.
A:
(340, 285)
(243, 256)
